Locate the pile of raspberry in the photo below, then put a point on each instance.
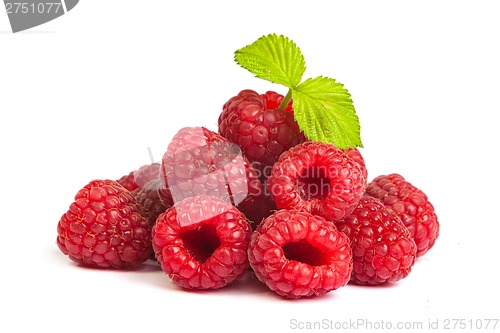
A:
(256, 197)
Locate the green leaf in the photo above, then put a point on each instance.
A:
(325, 112)
(323, 107)
(273, 58)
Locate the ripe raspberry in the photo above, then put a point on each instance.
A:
(201, 162)
(299, 254)
(411, 205)
(201, 242)
(128, 181)
(262, 209)
(138, 178)
(318, 178)
(382, 248)
(356, 156)
(150, 205)
(103, 227)
(259, 127)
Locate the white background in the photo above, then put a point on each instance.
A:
(86, 95)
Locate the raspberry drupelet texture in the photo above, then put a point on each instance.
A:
(103, 227)
(201, 242)
(355, 154)
(298, 254)
(137, 179)
(382, 248)
(318, 178)
(201, 162)
(263, 208)
(128, 181)
(150, 205)
(259, 127)
(411, 205)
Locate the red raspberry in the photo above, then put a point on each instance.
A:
(411, 205)
(150, 205)
(138, 178)
(318, 178)
(355, 154)
(382, 248)
(128, 181)
(103, 227)
(261, 210)
(201, 162)
(299, 254)
(259, 127)
(201, 242)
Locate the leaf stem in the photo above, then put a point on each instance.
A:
(285, 100)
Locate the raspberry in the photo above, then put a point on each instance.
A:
(201, 242)
(150, 205)
(356, 156)
(103, 227)
(382, 248)
(128, 181)
(201, 162)
(318, 178)
(411, 205)
(138, 178)
(298, 254)
(261, 210)
(259, 127)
